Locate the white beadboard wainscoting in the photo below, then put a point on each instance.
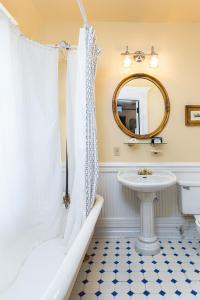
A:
(120, 213)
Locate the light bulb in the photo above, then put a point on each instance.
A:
(127, 61)
(154, 61)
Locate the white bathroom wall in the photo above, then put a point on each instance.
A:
(120, 213)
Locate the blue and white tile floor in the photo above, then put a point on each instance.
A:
(116, 272)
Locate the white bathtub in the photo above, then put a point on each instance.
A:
(49, 272)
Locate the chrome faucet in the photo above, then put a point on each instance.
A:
(145, 172)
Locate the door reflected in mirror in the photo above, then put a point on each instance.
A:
(141, 106)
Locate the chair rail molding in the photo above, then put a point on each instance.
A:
(172, 166)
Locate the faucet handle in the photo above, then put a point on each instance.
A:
(150, 172)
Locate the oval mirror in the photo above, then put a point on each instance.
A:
(141, 106)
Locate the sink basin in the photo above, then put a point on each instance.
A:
(146, 187)
(147, 183)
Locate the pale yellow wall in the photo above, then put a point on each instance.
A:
(179, 73)
(178, 47)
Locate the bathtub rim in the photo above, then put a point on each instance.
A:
(63, 282)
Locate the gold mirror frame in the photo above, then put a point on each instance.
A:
(166, 104)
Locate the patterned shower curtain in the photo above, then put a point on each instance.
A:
(91, 164)
(81, 130)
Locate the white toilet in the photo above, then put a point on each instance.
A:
(189, 199)
(197, 221)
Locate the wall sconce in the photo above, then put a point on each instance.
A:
(139, 56)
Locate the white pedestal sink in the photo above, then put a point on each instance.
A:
(146, 187)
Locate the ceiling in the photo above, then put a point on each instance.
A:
(108, 10)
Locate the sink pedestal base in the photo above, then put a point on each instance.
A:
(147, 243)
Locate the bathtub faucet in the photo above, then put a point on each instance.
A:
(66, 200)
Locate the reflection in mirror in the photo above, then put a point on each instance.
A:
(140, 106)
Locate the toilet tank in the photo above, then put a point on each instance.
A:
(189, 194)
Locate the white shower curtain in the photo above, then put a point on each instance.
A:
(81, 130)
(30, 177)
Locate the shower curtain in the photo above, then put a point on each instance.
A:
(81, 130)
(30, 177)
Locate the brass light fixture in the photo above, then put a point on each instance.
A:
(139, 56)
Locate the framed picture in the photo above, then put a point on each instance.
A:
(192, 115)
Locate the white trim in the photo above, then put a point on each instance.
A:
(172, 166)
(158, 164)
(149, 164)
(166, 227)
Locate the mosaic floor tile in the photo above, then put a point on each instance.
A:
(138, 287)
(153, 287)
(91, 287)
(115, 271)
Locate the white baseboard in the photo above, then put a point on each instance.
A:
(166, 227)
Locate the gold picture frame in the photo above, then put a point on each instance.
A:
(192, 115)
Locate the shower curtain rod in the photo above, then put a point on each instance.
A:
(62, 44)
(79, 3)
(8, 15)
(65, 45)
(82, 11)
